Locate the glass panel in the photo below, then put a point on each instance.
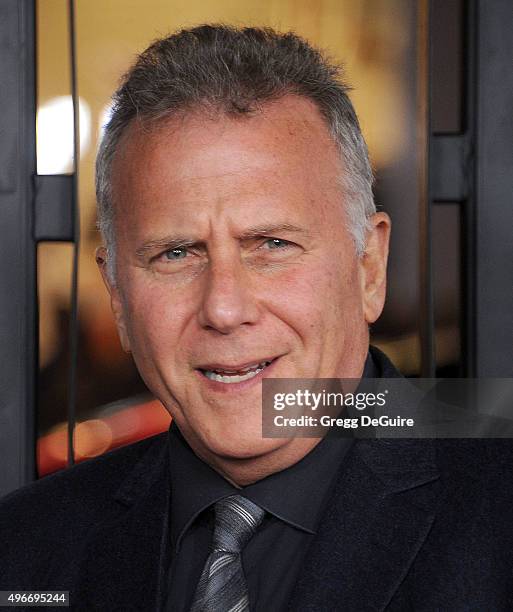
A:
(54, 110)
(53, 280)
(54, 259)
(447, 63)
(446, 249)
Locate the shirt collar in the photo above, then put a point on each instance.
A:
(298, 494)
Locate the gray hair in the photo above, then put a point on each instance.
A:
(234, 71)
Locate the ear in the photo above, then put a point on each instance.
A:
(115, 298)
(373, 266)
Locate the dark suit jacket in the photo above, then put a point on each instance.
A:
(421, 525)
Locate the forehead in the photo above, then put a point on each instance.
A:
(291, 127)
(281, 153)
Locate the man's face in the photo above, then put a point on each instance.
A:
(234, 263)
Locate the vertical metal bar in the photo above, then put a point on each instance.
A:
(426, 314)
(494, 189)
(18, 304)
(468, 344)
(73, 326)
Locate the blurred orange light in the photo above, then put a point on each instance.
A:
(92, 438)
(96, 436)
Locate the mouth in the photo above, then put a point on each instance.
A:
(230, 374)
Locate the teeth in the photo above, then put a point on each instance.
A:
(230, 377)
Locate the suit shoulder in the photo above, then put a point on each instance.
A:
(478, 470)
(490, 454)
(83, 490)
(46, 524)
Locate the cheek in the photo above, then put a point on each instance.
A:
(155, 319)
(315, 298)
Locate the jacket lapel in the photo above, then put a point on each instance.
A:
(131, 542)
(380, 513)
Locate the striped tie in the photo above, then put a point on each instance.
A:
(222, 586)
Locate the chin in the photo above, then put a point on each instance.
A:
(236, 445)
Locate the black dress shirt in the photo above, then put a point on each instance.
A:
(294, 500)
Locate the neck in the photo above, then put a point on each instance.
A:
(243, 472)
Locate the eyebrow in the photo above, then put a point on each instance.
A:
(173, 242)
(269, 230)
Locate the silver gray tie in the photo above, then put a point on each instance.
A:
(222, 586)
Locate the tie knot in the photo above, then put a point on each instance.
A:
(237, 519)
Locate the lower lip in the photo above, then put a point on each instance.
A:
(215, 385)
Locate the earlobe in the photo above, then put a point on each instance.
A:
(374, 265)
(115, 298)
(119, 317)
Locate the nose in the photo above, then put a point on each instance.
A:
(227, 301)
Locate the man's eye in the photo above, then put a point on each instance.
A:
(277, 243)
(174, 254)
